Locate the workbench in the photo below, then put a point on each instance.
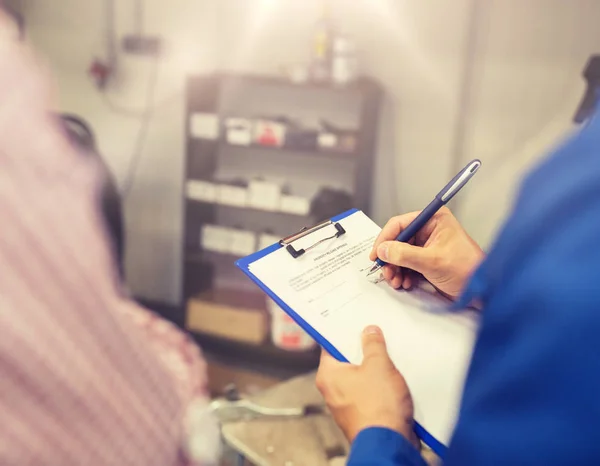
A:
(313, 440)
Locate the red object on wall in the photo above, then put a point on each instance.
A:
(100, 73)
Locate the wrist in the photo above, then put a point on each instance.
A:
(381, 446)
(464, 270)
(400, 426)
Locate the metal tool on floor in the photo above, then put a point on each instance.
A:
(232, 408)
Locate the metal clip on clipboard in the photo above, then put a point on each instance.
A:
(295, 253)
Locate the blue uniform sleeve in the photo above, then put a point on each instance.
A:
(383, 447)
(532, 396)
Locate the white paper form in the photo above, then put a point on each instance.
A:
(328, 288)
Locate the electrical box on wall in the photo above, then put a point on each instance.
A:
(15, 8)
(146, 45)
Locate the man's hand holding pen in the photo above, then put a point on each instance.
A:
(441, 251)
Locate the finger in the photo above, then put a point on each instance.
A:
(407, 282)
(327, 361)
(321, 379)
(389, 271)
(391, 230)
(373, 344)
(326, 366)
(398, 279)
(405, 255)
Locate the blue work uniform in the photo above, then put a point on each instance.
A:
(532, 395)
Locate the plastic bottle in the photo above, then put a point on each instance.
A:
(322, 48)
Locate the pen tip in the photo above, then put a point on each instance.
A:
(373, 269)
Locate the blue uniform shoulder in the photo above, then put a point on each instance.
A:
(531, 396)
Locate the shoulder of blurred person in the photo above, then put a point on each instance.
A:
(531, 396)
(88, 377)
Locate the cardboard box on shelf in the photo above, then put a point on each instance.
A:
(243, 242)
(238, 131)
(264, 195)
(232, 195)
(342, 142)
(216, 238)
(201, 190)
(295, 205)
(204, 126)
(237, 315)
(327, 140)
(267, 239)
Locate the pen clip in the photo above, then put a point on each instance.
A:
(459, 181)
(295, 253)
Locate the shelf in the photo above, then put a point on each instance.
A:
(210, 256)
(247, 208)
(362, 84)
(249, 305)
(291, 151)
(264, 356)
(306, 171)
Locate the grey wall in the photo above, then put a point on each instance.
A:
(520, 59)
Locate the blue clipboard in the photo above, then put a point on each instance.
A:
(244, 264)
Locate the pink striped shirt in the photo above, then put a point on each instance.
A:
(86, 376)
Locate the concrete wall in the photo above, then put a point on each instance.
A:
(493, 79)
(526, 86)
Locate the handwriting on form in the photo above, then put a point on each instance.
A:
(326, 264)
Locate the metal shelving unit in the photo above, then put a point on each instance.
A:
(229, 95)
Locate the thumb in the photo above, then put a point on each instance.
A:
(405, 255)
(373, 344)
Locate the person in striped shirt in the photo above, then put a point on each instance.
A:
(86, 375)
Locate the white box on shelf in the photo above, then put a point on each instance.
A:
(243, 243)
(238, 131)
(265, 240)
(327, 140)
(264, 195)
(204, 126)
(236, 196)
(200, 190)
(216, 238)
(295, 205)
